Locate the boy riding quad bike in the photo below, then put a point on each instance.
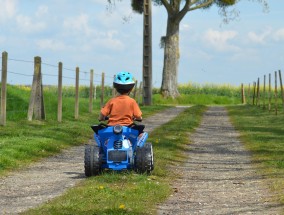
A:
(120, 144)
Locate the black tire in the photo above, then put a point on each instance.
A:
(92, 160)
(144, 159)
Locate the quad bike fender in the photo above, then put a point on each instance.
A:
(97, 139)
(142, 140)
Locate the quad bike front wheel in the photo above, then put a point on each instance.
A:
(92, 160)
(144, 159)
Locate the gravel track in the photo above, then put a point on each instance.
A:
(50, 177)
(218, 177)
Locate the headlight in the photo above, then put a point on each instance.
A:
(117, 129)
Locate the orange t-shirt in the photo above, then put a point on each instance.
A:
(121, 110)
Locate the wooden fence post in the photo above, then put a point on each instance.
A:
(103, 89)
(275, 94)
(95, 93)
(36, 105)
(77, 93)
(91, 91)
(59, 107)
(248, 94)
(4, 87)
(253, 98)
(269, 93)
(282, 90)
(264, 83)
(258, 93)
(243, 94)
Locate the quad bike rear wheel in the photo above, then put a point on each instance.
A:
(144, 159)
(92, 159)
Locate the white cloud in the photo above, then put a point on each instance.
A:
(50, 44)
(246, 55)
(185, 27)
(219, 40)
(42, 11)
(259, 38)
(80, 24)
(28, 25)
(279, 35)
(117, 15)
(108, 40)
(8, 9)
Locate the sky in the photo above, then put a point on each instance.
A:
(90, 34)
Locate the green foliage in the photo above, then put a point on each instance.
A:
(137, 6)
(225, 3)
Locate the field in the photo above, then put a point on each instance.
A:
(23, 142)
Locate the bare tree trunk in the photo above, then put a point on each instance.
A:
(169, 86)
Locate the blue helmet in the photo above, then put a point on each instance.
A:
(123, 82)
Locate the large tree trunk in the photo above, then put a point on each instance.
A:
(169, 86)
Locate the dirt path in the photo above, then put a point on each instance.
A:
(218, 177)
(47, 179)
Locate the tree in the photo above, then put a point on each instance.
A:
(176, 10)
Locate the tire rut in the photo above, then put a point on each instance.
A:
(219, 176)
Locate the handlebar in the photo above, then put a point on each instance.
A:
(138, 120)
(107, 118)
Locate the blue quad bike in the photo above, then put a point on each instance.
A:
(118, 148)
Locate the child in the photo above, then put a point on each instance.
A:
(122, 109)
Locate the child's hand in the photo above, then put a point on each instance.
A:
(137, 119)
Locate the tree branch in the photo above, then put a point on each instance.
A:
(184, 10)
(205, 4)
(167, 6)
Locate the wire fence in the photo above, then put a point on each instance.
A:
(266, 93)
(23, 82)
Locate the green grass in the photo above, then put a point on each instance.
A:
(206, 94)
(197, 99)
(263, 134)
(128, 192)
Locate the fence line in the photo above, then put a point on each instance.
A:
(36, 105)
(261, 93)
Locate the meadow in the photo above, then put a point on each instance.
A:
(23, 142)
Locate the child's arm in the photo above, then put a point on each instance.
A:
(101, 117)
(138, 118)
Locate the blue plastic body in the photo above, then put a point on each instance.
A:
(107, 140)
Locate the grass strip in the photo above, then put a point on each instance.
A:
(262, 133)
(128, 192)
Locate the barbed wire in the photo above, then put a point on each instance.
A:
(56, 66)
(18, 60)
(17, 73)
(47, 64)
